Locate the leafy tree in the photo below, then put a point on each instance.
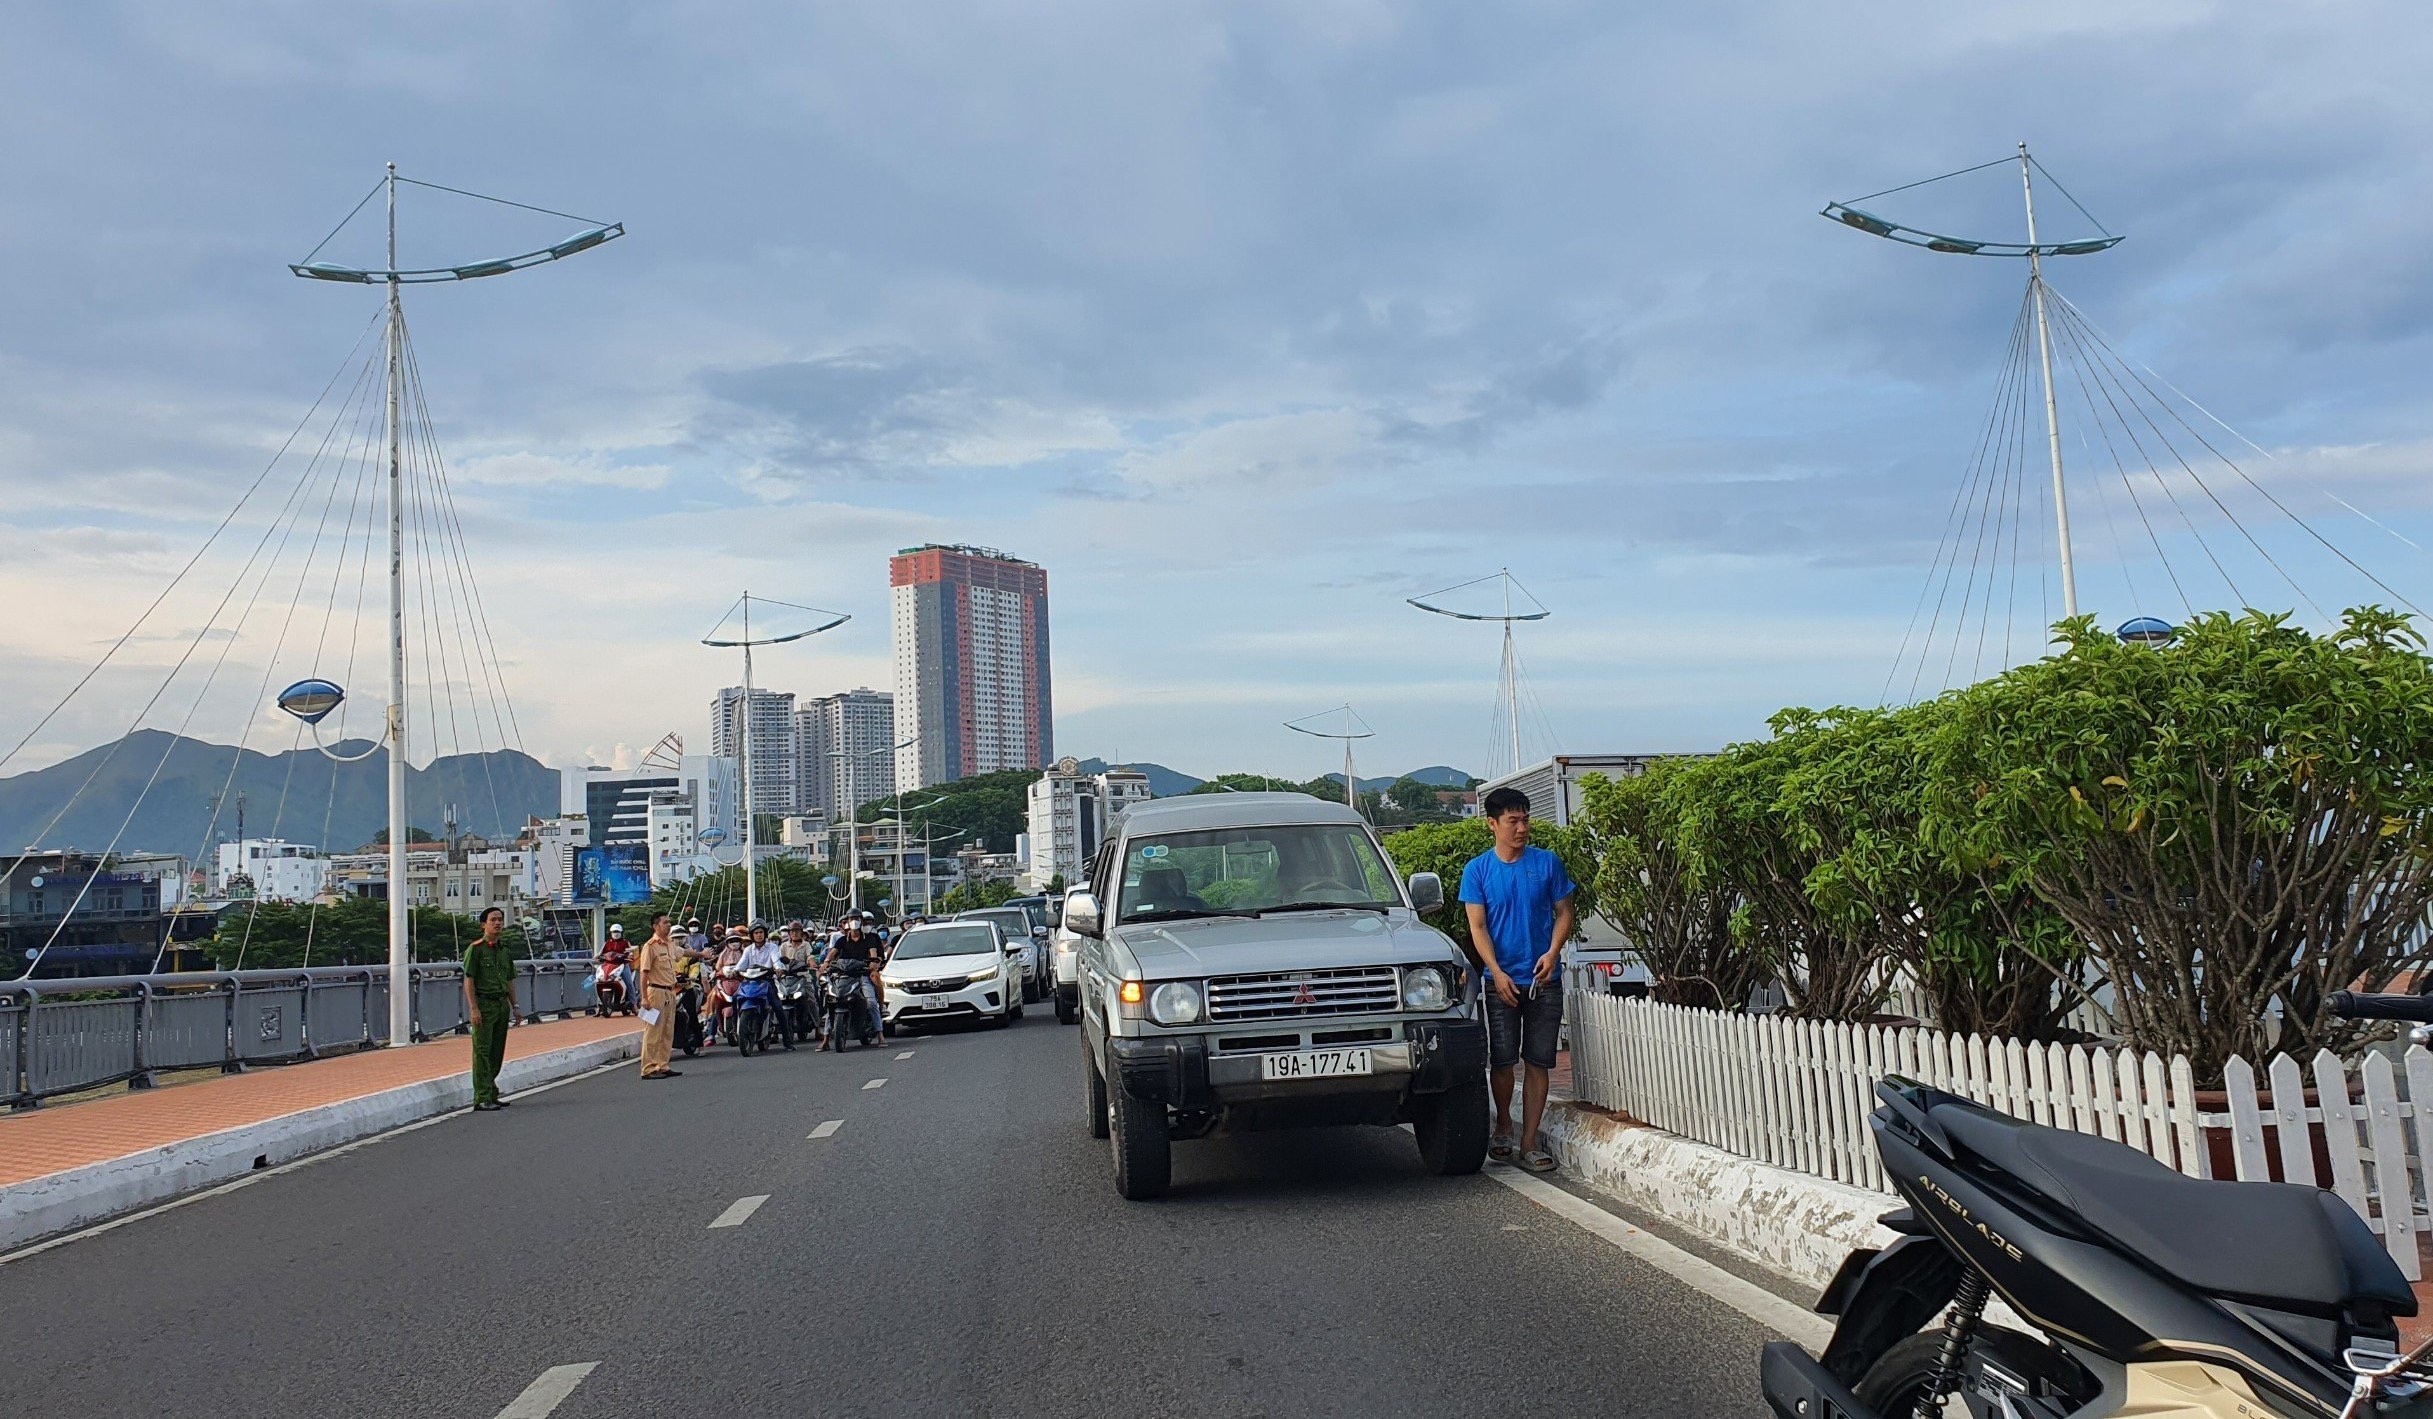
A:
(1446, 848)
(413, 835)
(1254, 783)
(971, 896)
(1833, 967)
(1989, 956)
(352, 931)
(989, 809)
(1679, 924)
(1418, 801)
(2240, 818)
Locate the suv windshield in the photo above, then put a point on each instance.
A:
(1247, 870)
(1013, 921)
(972, 940)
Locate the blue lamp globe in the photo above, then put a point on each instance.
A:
(2147, 631)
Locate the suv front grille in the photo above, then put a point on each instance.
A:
(1302, 995)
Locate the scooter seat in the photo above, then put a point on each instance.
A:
(2283, 1245)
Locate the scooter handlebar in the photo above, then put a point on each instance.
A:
(2358, 1005)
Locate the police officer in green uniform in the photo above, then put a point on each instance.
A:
(489, 1003)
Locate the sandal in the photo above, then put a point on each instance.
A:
(1500, 1148)
(1537, 1160)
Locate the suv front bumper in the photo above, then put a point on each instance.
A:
(1182, 1072)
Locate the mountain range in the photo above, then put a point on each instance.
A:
(153, 791)
(298, 794)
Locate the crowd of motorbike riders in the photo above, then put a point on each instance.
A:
(747, 988)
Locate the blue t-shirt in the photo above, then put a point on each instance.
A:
(1520, 898)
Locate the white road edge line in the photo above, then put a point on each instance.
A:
(828, 1129)
(542, 1397)
(250, 1179)
(907, 1054)
(1746, 1297)
(739, 1211)
(873, 1084)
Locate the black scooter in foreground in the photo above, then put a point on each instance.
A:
(2158, 1295)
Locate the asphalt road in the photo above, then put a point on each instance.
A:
(954, 1246)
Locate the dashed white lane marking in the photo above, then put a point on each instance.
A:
(739, 1211)
(873, 1084)
(1748, 1298)
(542, 1397)
(907, 1054)
(828, 1129)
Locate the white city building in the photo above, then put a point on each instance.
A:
(775, 787)
(280, 871)
(675, 844)
(616, 804)
(554, 841)
(1070, 814)
(843, 751)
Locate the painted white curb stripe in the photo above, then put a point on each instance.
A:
(907, 1054)
(740, 1211)
(1746, 1297)
(545, 1394)
(873, 1084)
(828, 1129)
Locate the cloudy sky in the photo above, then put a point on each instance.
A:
(1246, 320)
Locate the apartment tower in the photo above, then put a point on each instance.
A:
(971, 663)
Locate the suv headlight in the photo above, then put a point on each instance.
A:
(1425, 988)
(1177, 1002)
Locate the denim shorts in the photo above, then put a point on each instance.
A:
(1527, 1031)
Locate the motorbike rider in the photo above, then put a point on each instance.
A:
(853, 944)
(730, 954)
(764, 954)
(614, 952)
(801, 949)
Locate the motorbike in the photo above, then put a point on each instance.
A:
(688, 1014)
(849, 1006)
(798, 999)
(724, 988)
(608, 989)
(2156, 1294)
(755, 1016)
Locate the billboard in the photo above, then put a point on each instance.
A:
(616, 875)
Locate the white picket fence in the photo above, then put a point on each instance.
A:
(1797, 1094)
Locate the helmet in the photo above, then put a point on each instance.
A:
(618, 930)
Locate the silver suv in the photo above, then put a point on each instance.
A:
(1249, 961)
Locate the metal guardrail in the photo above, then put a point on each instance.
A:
(60, 1036)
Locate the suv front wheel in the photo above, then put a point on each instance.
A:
(1452, 1128)
(1144, 1153)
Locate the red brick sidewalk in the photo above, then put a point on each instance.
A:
(56, 1139)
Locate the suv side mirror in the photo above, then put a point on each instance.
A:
(1427, 892)
(1081, 916)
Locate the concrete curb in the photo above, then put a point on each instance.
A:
(1794, 1225)
(61, 1202)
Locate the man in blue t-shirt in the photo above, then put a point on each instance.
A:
(1519, 900)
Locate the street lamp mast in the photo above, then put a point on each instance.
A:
(312, 700)
(751, 885)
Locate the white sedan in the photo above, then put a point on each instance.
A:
(952, 970)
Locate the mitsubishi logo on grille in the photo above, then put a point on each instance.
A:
(1304, 995)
